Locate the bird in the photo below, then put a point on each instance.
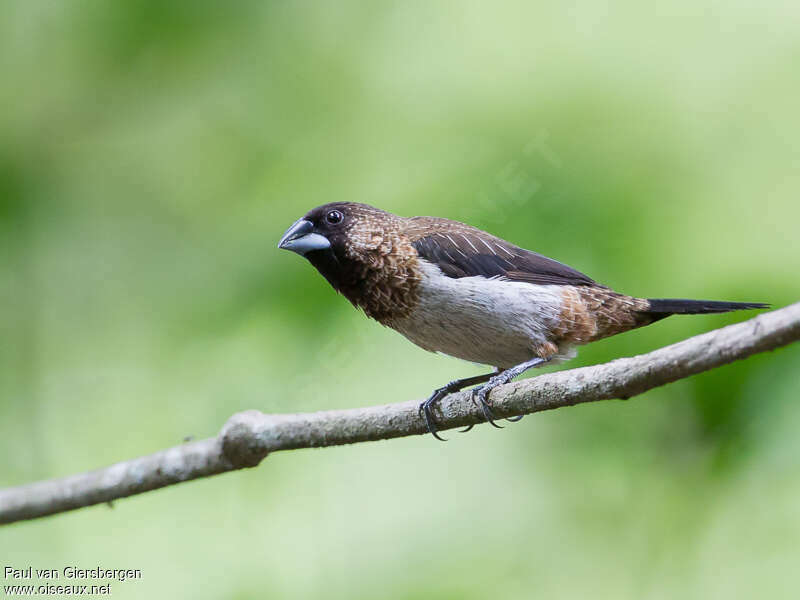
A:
(457, 290)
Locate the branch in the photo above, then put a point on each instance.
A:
(248, 437)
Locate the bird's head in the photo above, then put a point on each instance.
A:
(340, 228)
(341, 238)
(321, 230)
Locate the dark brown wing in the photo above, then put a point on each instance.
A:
(467, 252)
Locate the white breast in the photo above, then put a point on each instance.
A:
(487, 321)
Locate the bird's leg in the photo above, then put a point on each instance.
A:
(481, 393)
(438, 394)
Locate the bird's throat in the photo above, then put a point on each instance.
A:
(382, 286)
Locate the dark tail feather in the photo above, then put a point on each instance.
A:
(663, 307)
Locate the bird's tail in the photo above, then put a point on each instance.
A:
(664, 307)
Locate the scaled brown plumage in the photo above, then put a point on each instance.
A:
(377, 267)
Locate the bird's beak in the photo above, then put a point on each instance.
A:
(301, 238)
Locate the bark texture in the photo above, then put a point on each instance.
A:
(247, 437)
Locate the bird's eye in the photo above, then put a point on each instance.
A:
(334, 217)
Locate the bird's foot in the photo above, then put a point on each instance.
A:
(492, 380)
(480, 395)
(459, 384)
(426, 408)
(481, 392)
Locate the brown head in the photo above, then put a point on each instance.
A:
(362, 252)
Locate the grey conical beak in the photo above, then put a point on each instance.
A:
(301, 238)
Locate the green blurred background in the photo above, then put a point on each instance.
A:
(151, 155)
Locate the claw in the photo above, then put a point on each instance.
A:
(481, 393)
(514, 419)
(425, 409)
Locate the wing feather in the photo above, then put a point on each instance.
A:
(462, 254)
